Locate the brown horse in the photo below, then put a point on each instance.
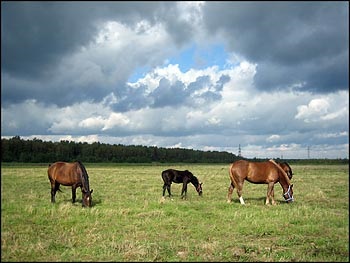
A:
(70, 174)
(268, 172)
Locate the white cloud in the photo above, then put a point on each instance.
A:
(272, 138)
(337, 114)
(93, 122)
(331, 107)
(115, 120)
(333, 135)
(313, 111)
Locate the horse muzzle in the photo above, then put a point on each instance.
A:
(290, 199)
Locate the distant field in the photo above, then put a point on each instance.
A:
(130, 222)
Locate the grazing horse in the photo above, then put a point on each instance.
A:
(70, 174)
(174, 176)
(268, 172)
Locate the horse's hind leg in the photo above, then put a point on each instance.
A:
(53, 192)
(166, 187)
(239, 193)
(230, 191)
(54, 188)
(169, 190)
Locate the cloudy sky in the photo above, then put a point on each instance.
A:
(272, 77)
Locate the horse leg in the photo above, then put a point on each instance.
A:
(164, 188)
(230, 191)
(273, 196)
(53, 192)
(239, 192)
(184, 190)
(54, 188)
(270, 194)
(168, 189)
(74, 188)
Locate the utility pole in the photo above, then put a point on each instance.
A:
(239, 150)
(308, 152)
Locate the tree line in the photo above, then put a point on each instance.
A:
(17, 149)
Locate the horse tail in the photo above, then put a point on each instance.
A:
(232, 177)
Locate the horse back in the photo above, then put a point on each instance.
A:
(254, 172)
(263, 172)
(65, 173)
(176, 176)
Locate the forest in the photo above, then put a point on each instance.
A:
(17, 149)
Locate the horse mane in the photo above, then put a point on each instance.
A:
(85, 177)
(285, 163)
(194, 180)
(281, 170)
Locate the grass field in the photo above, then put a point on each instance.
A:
(130, 222)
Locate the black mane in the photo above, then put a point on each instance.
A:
(85, 177)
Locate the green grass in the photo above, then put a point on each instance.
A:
(130, 222)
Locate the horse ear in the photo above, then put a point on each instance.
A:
(91, 191)
(200, 183)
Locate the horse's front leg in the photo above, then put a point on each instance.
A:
(74, 188)
(273, 195)
(270, 194)
(184, 190)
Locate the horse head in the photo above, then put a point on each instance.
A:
(87, 199)
(199, 188)
(288, 196)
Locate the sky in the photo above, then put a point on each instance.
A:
(268, 78)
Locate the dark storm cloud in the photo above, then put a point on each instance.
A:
(40, 42)
(36, 35)
(292, 42)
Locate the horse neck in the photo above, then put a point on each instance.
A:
(283, 177)
(194, 181)
(284, 181)
(85, 177)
